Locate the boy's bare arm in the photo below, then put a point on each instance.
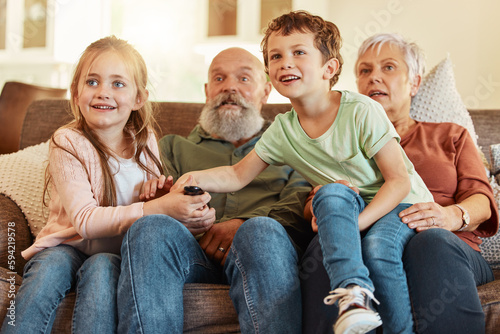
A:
(395, 188)
(229, 178)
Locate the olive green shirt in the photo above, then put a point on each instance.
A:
(278, 192)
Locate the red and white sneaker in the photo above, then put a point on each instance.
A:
(355, 313)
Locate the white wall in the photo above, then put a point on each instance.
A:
(467, 31)
(170, 34)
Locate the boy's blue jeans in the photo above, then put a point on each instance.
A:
(374, 261)
(50, 274)
(160, 255)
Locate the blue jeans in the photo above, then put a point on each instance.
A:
(317, 317)
(373, 262)
(443, 272)
(51, 274)
(160, 255)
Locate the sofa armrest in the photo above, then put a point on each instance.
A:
(15, 235)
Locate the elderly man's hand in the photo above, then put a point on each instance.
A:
(217, 241)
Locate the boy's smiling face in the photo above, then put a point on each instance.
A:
(296, 67)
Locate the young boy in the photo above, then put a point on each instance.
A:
(330, 136)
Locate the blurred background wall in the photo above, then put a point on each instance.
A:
(40, 40)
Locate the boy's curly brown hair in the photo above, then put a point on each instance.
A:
(326, 36)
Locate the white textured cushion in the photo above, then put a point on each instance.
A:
(22, 178)
(495, 161)
(438, 100)
(490, 248)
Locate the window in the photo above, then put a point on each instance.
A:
(3, 23)
(35, 24)
(222, 16)
(270, 9)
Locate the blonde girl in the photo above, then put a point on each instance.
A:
(98, 164)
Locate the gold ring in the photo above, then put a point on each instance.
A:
(222, 249)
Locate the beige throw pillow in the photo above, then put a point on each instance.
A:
(22, 178)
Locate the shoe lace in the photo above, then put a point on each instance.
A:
(349, 296)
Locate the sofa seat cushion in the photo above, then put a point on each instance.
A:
(207, 307)
(490, 300)
(13, 224)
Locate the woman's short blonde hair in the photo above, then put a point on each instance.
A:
(412, 53)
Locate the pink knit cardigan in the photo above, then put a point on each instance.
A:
(75, 215)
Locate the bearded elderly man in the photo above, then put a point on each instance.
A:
(259, 232)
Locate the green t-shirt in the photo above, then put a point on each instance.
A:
(344, 152)
(278, 192)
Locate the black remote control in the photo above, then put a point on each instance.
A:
(193, 190)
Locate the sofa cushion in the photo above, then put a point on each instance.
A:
(490, 300)
(486, 123)
(439, 101)
(490, 248)
(13, 225)
(208, 309)
(495, 161)
(22, 178)
(42, 119)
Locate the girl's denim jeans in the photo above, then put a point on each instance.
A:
(51, 274)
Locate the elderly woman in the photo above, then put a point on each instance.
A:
(443, 262)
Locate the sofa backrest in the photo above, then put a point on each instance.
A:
(487, 126)
(15, 99)
(45, 116)
(42, 119)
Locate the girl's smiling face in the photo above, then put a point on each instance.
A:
(296, 67)
(107, 93)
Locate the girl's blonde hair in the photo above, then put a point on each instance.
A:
(140, 122)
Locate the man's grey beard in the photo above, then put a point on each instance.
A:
(229, 125)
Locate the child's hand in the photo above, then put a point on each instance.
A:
(345, 183)
(311, 215)
(156, 188)
(192, 211)
(184, 180)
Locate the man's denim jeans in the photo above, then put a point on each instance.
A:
(160, 255)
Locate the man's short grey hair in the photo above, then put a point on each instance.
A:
(412, 53)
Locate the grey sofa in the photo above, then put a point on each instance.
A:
(207, 308)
